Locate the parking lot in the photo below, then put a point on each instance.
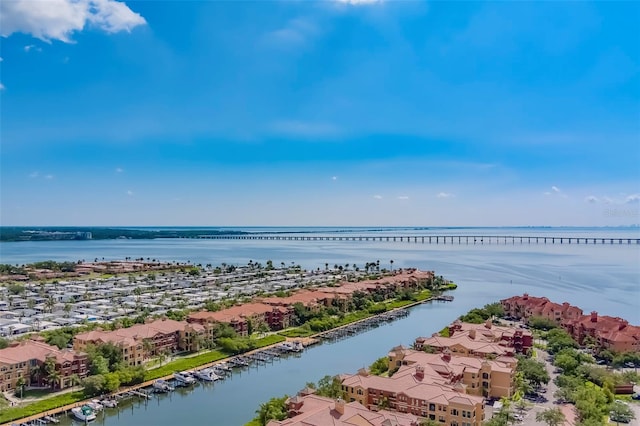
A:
(545, 400)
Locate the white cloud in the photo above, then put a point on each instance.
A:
(48, 177)
(591, 199)
(377, 197)
(119, 170)
(59, 19)
(403, 197)
(295, 33)
(129, 192)
(607, 200)
(334, 177)
(445, 195)
(28, 48)
(1, 87)
(1, 59)
(34, 175)
(557, 191)
(633, 198)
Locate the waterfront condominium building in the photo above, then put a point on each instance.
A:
(307, 409)
(485, 340)
(239, 317)
(475, 376)
(604, 332)
(143, 341)
(26, 359)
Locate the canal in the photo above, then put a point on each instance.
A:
(233, 401)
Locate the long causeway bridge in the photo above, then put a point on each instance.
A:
(433, 239)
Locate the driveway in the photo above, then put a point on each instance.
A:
(539, 406)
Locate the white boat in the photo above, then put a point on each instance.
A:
(84, 413)
(95, 405)
(162, 386)
(109, 403)
(206, 375)
(184, 378)
(295, 346)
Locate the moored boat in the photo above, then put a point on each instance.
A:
(184, 378)
(162, 386)
(84, 413)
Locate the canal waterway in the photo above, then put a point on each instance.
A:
(605, 278)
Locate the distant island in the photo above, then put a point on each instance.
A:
(54, 233)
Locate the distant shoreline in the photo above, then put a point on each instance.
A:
(75, 233)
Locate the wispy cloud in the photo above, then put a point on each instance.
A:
(334, 178)
(59, 19)
(377, 197)
(34, 175)
(296, 33)
(48, 177)
(29, 47)
(129, 193)
(556, 191)
(119, 170)
(2, 87)
(403, 197)
(632, 199)
(591, 199)
(445, 195)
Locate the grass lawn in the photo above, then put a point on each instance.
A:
(8, 414)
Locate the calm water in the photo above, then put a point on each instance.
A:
(605, 278)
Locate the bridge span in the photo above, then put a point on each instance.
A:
(433, 239)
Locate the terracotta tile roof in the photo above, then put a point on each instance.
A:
(321, 411)
(29, 350)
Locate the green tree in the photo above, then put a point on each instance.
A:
(3, 343)
(330, 386)
(93, 385)
(379, 366)
(621, 412)
(274, 409)
(50, 372)
(99, 365)
(590, 402)
(533, 371)
(111, 382)
(566, 362)
(551, 416)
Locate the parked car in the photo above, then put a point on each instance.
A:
(636, 396)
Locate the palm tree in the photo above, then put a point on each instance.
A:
(20, 383)
(391, 262)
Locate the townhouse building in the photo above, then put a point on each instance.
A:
(143, 341)
(238, 317)
(26, 359)
(605, 332)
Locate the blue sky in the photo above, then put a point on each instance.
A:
(319, 113)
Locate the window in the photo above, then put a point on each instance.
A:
(485, 375)
(441, 419)
(454, 412)
(432, 407)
